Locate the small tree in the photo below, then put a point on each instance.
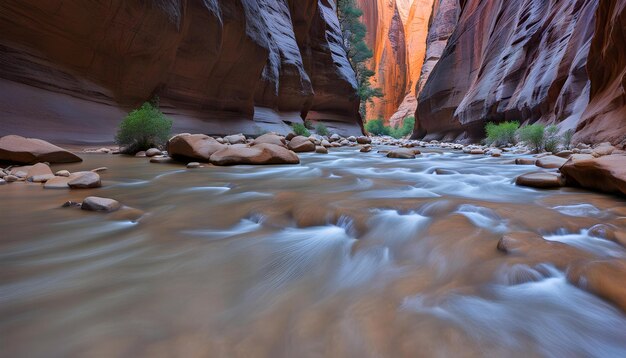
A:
(143, 128)
(353, 40)
(567, 138)
(501, 134)
(534, 135)
(405, 129)
(321, 129)
(376, 127)
(551, 138)
(300, 129)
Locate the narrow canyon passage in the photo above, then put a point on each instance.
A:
(345, 255)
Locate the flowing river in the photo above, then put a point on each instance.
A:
(346, 255)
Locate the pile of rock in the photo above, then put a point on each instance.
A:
(41, 173)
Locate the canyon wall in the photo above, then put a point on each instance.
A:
(397, 31)
(72, 69)
(527, 60)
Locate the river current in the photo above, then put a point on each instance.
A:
(345, 255)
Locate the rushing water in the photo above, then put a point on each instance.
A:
(346, 255)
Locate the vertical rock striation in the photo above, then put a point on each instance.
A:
(71, 69)
(397, 33)
(550, 61)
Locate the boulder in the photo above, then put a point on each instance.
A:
(301, 144)
(270, 138)
(235, 138)
(606, 173)
(352, 138)
(40, 170)
(84, 180)
(402, 153)
(325, 143)
(525, 161)
(193, 146)
(321, 150)
(263, 153)
(140, 154)
(17, 149)
(542, 180)
(603, 149)
(366, 148)
(62, 173)
(334, 137)
(95, 203)
(550, 162)
(152, 152)
(364, 140)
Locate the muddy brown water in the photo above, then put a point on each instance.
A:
(346, 255)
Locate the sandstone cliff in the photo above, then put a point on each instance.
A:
(527, 60)
(71, 69)
(397, 33)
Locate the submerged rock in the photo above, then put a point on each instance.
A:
(543, 180)
(95, 203)
(17, 149)
(403, 153)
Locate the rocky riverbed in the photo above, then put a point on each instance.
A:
(389, 248)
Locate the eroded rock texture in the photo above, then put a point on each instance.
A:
(605, 116)
(397, 33)
(509, 60)
(71, 69)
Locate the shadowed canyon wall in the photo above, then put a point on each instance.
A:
(397, 31)
(551, 61)
(71, 69)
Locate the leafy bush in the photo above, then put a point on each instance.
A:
(376, 127)
(143, 128)
(308, 124)
(501, 134)
(533, 135)
(321, 129)
(551, 138)
(567, 138)
(405, 129)
(300, 129)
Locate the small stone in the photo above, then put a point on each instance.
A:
(220, 140)
(477, 151)
(352, 138)
(98, 170)
(525, 161)
(325, 143)
(192, 165)
(140, 154)
(363, 140)
(104, 150)
(235, 139)
(152, 152)
(2, 181)
(85, 180)
(496, 153)
(70, 203)
(10, 178)
(334, 137)
(402, 153)
(366, 148)
(290, 136)
(321, 150)
(62, 173)
(95, 203)
(565, 154)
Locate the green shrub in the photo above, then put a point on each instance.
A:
(300, 129)
(143, 128)
(502, 133)
(551, 138)
(533, 135)
(376, 127)
(321, 129)
(405, 129)
(567, 138)
(308, 124)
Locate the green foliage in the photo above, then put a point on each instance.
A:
(308, 124)
(567, 138)
(321, 129)
(300, 129)
(143, 128)
(405, 129)
(502, 133)
(376, 127)
(533, 135)
(551, 138)
(353, 33)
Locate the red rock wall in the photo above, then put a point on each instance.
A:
(219, 66)
(527, 60)
(397, 32)
(604, 118)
